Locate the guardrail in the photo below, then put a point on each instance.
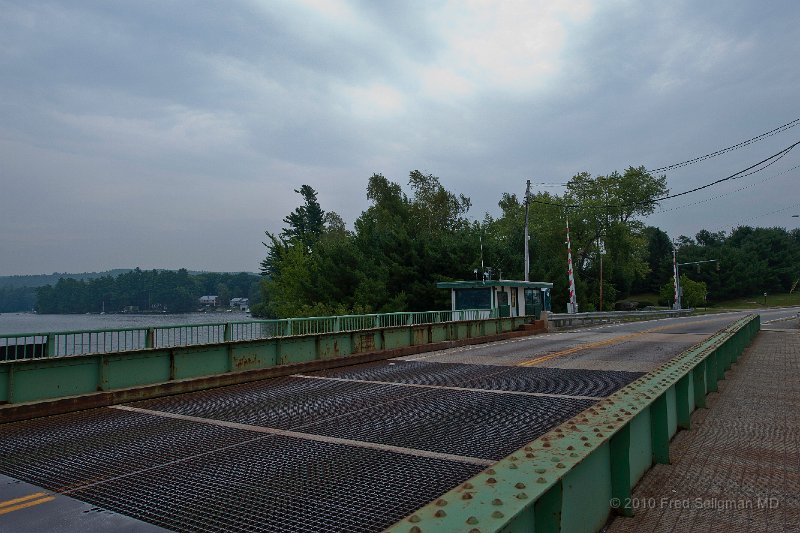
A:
(572, 478)
(580, 319)
(19, 346)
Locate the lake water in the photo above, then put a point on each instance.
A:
(34, 323)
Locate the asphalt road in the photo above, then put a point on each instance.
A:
(348, 449)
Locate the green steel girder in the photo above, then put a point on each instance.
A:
(529, 490)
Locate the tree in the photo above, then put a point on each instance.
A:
(303, 228)
(694, 292)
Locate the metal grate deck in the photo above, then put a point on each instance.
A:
(207, 478)
(571, 382)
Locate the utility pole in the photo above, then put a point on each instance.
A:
(527, 203)
(677, 303)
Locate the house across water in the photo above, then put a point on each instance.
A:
(509, 297)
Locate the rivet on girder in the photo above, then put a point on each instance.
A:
(560, 465)
(513, 466)
(546, 445)
(540, 470)
(497, 514)
(541, 480)
(522, 496)
(441, 502)
(466, 496)
(570, 447)
(415, 529)
(414, 519)
(472, 520)
(491, 480)
(490, 471)
(440, 513)
(467, 485)
(587, 444)
(497, 501)
(573, 454)
(520, 485)
(530, 455)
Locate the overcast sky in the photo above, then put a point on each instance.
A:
(167, 134)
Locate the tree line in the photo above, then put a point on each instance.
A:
(153, 290)
(402, 244)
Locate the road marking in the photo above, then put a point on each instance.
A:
(30, 500)
(444, 387)
(310, 436)
(606, 342)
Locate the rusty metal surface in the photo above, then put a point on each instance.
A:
(738, 469)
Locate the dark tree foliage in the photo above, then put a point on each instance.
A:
(153, 290)
(407, 240)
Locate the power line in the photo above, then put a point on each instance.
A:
(729, 193)
(771, 160)
(742, 144)
(761, 216)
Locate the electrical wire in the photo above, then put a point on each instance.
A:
(706, 200)
(761, 216)
(771, 160)
(742, 144)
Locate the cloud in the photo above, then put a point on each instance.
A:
(183, 120)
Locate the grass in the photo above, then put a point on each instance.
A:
(749, 302)
(757, 301)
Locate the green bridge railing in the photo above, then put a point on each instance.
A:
(571, 479)
(20, 346)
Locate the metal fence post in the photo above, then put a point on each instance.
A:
(150, 338)
(51, 345)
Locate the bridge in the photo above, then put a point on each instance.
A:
(470, 425)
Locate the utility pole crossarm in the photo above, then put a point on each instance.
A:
(698, 262)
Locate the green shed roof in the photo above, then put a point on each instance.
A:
(477, 284)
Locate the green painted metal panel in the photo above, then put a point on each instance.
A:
(548, 511)
(641, 455)
(253, 355)
(587, 492)
(56, 378)
(297, 350)
(420, 335)
(439, 332)
(672, 412)
(129, 370)
(205, 361)
(462, 331)
(397, 337)
(620, 449)
(692, 405)
(5, 370)
(332, 346)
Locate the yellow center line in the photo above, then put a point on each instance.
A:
(606, 342)
(30, 500)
